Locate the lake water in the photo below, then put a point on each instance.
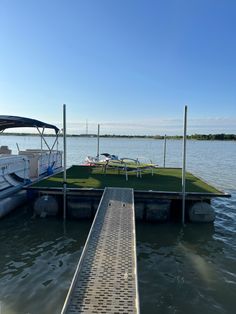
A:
(187, 269)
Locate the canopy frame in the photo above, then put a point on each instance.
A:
(9, 122)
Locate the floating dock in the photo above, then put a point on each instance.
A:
(105, 280)
(166, 181)
(157, 194)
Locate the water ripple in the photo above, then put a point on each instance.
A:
(40, 264)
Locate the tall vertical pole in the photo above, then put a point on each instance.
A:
(184, 164)
(164, 163)
(41, 135)
(41, 145)
(98, 139)
(64, 150)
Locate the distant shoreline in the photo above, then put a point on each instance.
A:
(204, 137)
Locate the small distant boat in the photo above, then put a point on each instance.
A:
(18, 170)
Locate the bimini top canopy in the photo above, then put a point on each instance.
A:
(7, 122)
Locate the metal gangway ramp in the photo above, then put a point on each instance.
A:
(105, 280)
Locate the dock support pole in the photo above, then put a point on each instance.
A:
(98, 139)
(164, 163)
(64, 155)
(184, 164)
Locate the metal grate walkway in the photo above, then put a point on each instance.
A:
(105, 280)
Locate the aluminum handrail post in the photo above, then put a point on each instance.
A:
(184, 165)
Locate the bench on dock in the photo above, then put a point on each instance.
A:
(105, 280)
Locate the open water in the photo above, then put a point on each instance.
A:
(187, 269)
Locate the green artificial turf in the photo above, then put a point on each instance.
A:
(164, 179)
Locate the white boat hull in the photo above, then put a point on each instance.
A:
(18, 170)
(14, 173)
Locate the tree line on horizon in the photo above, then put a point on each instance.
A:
(205, 137)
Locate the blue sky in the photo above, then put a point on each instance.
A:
(130, 65)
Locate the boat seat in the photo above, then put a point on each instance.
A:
(5, 150)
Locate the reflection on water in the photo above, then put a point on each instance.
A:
(38, 258)
(181, 270)
(190, 269)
